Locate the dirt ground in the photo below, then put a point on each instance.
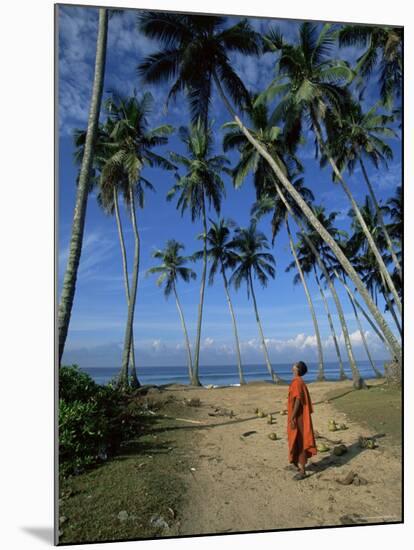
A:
(240, 482)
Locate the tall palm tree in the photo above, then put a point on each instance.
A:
(109, 201)
(131, 148)
(365, 262)
(196, 52)
(394, 208)
(78, 223)
(355, 136)
(222, 257)
(201, 183)
(182, 36)
(171, 269)
(263, 178)
(251, 259)
(323, 258)
(342, 375)
(309, 81)
(383, 49)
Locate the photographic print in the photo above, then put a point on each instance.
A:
(229, 268)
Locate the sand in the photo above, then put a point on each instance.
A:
(240, 483)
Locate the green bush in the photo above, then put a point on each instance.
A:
(82, 432)
(93, 419)
(75, 385)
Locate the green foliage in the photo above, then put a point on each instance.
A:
(75, 385)
(82, 429)
(93, 420)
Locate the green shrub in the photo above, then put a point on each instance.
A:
(75, 385)
(93, 419)
(82, 431)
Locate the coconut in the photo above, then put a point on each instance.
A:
(340, 450)
(322, 448)
(272, 436)
(332, 426)
(261, 414)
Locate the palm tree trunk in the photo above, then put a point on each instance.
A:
(381, 219)
(362, 310)
(390, 306)
(78, 224)
(342, 375)
(310, 216)
(382, 267)
(233, 318)
(195, 377)
(321, 374)
(275, 377)
(123, 376)
(187, 341)
(358, 382)
(134, 379)
(364, 340)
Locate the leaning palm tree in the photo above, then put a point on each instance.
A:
(323, 258)
(356, 136)
(78, 224)
(222, 257)
(195, 55)
(201, 183)
(264, 178)
(311, 85)
(131, 148)
(251, 259)
(384, 50)
(364, 261)
(394, 208)
(171, 269)
(342, 375)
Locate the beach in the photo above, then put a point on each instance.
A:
(231, 477)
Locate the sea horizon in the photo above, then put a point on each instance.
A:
(227, 375)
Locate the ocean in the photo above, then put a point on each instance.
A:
(227, 375)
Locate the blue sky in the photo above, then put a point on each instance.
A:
(98, 317)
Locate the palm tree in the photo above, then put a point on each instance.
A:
(355, 136)
(184, 36)
(384, 48)
(306, 253)
(171, 269)
(131, 144)
(365, 262)
(394, 208)
(195, 55)
(78, 224)
(309, 81)
(222, 257)
(249, 244)
(342, 375)
(263, 178)
(201, 182)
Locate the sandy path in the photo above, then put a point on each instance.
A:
(241, 484)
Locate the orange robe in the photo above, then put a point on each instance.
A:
(301, 440)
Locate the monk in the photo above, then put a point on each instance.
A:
(301, 439)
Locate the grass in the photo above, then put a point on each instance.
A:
(378, 407)
(149, 477)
